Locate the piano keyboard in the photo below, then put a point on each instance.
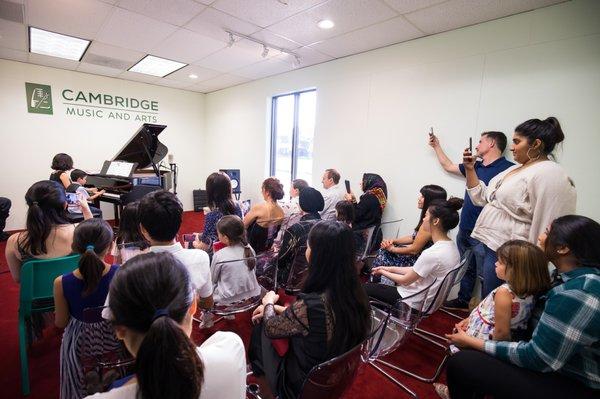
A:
(111, 195)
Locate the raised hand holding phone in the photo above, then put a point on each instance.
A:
(433, 140)
(347, 182)
(468, 159)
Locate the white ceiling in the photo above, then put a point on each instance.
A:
(192, 31)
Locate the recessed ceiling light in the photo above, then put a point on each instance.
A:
(193, 76)
(56, 45)
(156, 66)
(325, 24)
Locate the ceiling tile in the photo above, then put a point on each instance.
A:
(205, 2)
(15, 55)
(175, 84)
(187, 46)
(182, 75)
(265, 68)
(98, 69)
(213, 23)
(389, 32)
(138, 77)
(458, 13)
(347, 15)
(199, 88)
(176, 12)
(222, 81)
(13, 35)
(308, 56)
(134, 31)
(239, 55)
(275, 40)
(52, 61)
(404, 6)
(264, 12)
(81, 18)
(110, 51)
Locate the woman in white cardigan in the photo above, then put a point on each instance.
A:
(522, 201)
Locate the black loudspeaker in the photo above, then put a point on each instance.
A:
(234, 175)
(200, 200)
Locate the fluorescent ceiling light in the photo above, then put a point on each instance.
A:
(56, 45)
(156, 66)
(325, 24)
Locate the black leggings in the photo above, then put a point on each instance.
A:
(382, 292)
(473, 374)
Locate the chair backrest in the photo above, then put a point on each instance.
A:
(388, 224)
(37, 281)
(228, 309)
(365, 238)
(298, 272)
(444, 288)
(466, 258)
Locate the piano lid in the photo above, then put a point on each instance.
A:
(143, 147)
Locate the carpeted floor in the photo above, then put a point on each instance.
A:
(44, 354)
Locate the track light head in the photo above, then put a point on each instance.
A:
(265, 51)
(231, 40)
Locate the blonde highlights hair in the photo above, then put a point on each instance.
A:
(526, 267)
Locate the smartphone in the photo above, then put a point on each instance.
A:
(471, 145)
(347, 182)
(72, 198)
(189, 237)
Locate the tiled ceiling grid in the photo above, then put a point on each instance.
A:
(193, 32)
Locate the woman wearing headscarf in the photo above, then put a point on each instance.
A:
(369, 209)
(311, 203)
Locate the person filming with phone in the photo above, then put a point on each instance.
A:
(520, 202)
(489, 150)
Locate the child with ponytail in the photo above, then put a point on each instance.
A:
(233, 278)
(85, 287)
(152, 303)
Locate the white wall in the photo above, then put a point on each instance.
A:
(374, 109)
(29, 141)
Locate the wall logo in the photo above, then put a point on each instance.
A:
(39, 98)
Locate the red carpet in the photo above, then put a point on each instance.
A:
(44, 354)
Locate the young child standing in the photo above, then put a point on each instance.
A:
(233, 279)
(85, 287)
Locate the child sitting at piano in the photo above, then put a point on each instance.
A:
(78, 178)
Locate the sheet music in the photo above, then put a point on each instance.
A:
(118, 168)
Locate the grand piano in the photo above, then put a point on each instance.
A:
(135, 170)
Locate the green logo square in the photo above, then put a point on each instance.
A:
(39, 98)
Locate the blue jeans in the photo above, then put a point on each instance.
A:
(490, 280)
(464, 242)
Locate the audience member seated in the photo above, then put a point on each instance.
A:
(83, 288)
(329, 317)
(369, 210)
(160, 214)
(344, 212)
(61, 165)
(561, 360)
(264, 217)
(49, 234)
(332, 192)
(5, 205)
(433, 264)
(220, 202)
(405, 251)
(79, 179)
(152, 301)
(234, 280)
(521, 201)
(291, 209)
(129, 241)
(311, 202)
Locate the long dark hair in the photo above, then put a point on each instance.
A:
(331, 271)
(129, 226)
(46, 200)
(430, 192)
(446, 211)
(218, 193)
(62, 162)
(232, 227)
(547, 131)
(580, 234)
(92, 238)
(152, 294)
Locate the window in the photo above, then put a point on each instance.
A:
(292, 132)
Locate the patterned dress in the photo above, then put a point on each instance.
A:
(83, 339)
(481, 319)
(387, 258)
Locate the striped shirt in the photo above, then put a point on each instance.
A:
(567, 337)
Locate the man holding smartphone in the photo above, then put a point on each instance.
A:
(490, 149)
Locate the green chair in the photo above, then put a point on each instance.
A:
(36, 296)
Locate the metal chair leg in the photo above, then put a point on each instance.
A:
(395, 381)
(434, 377)
(456, 316)
(420, 332)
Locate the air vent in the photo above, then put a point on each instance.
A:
(106, 61)
(12, 11)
